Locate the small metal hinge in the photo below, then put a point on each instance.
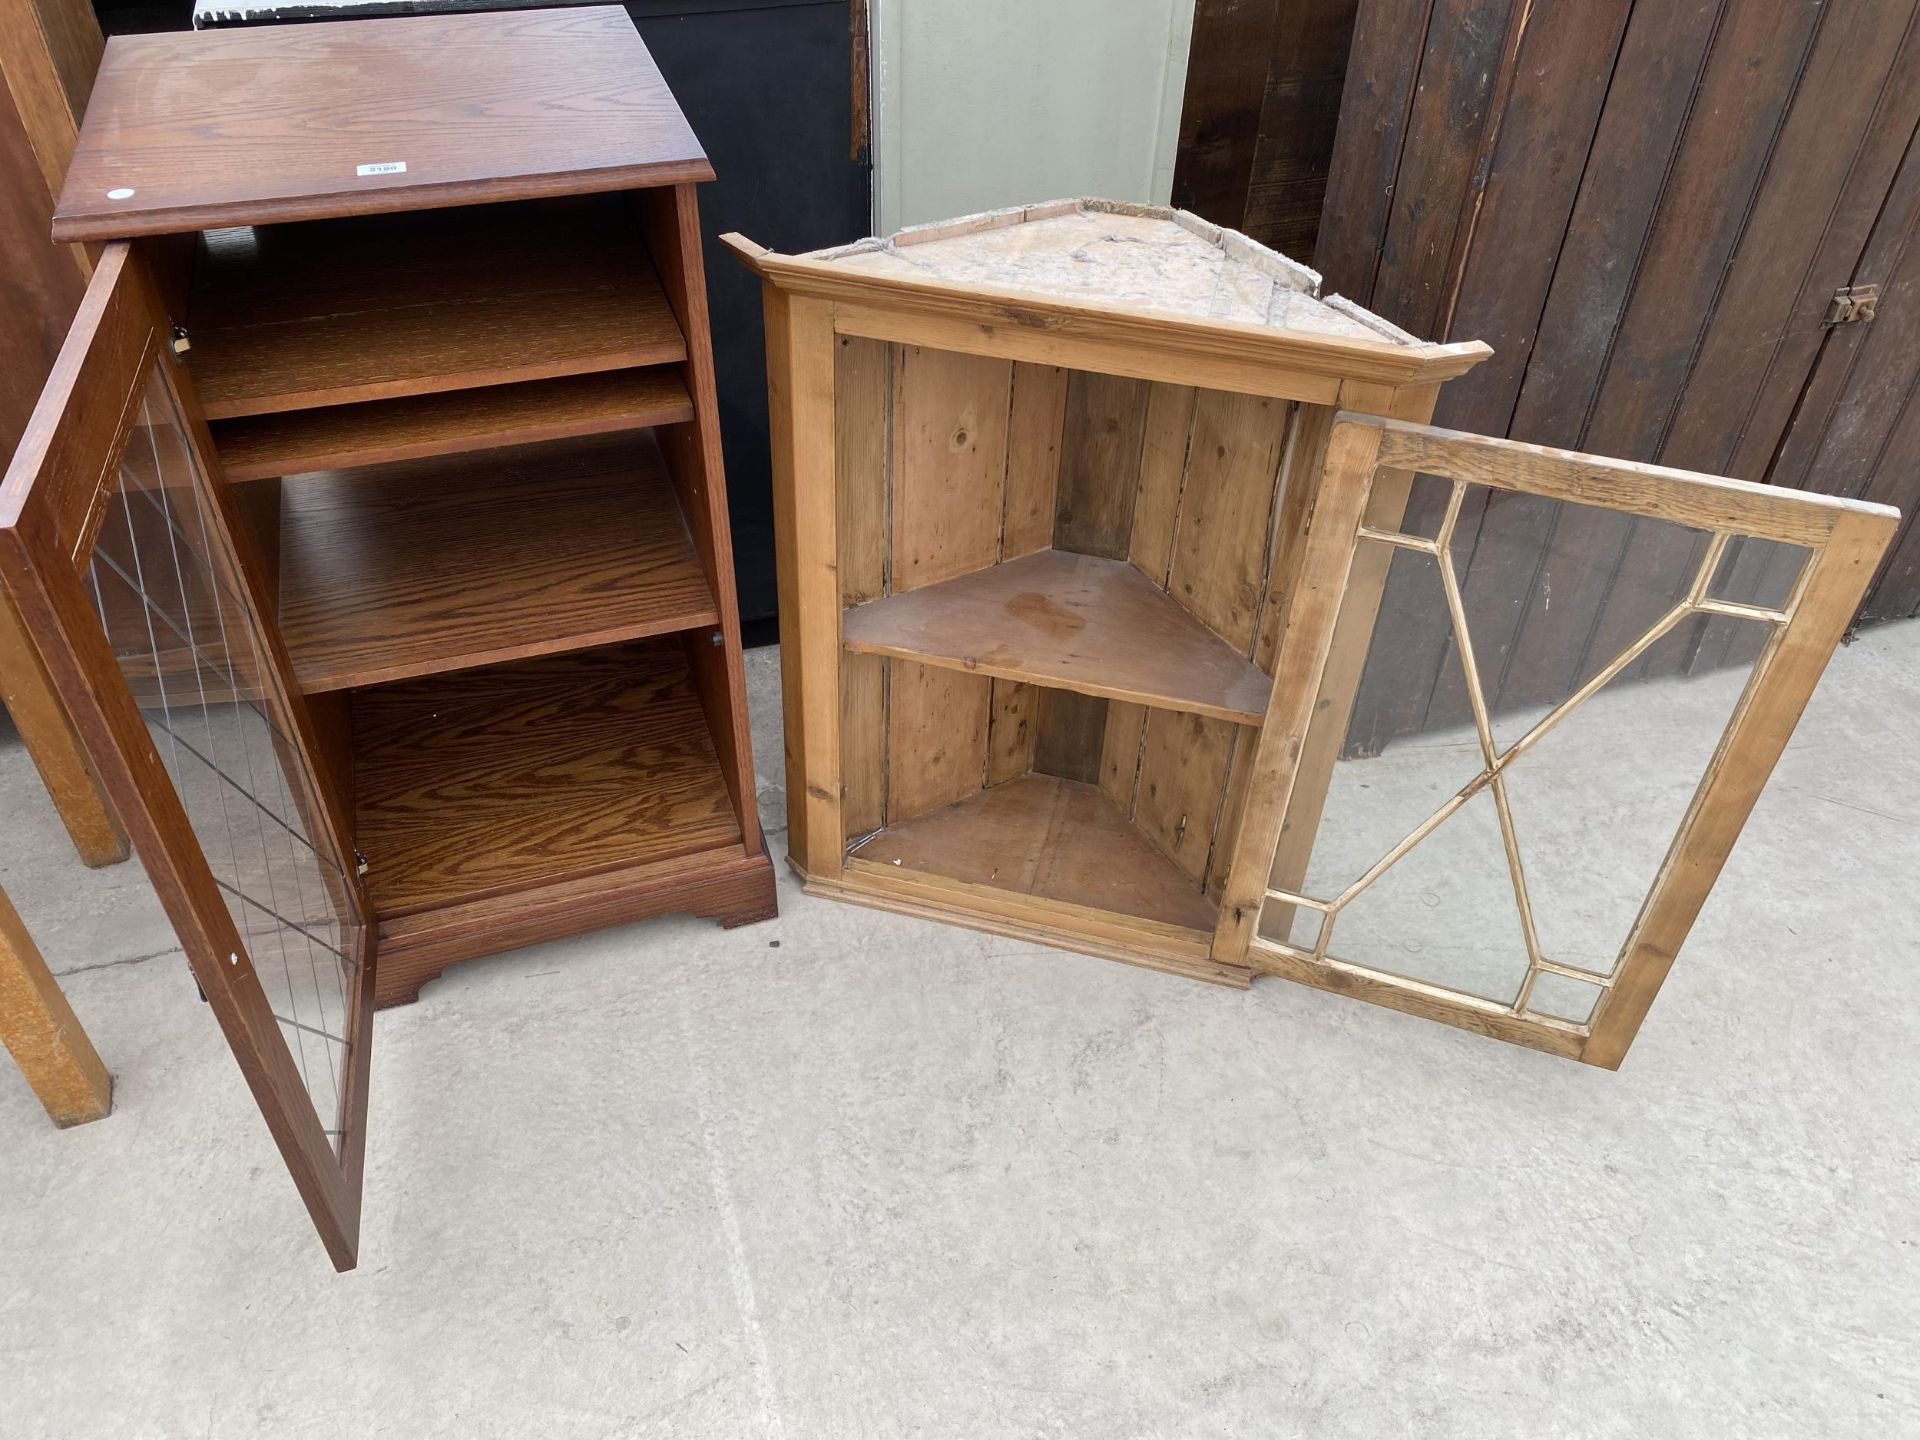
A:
(1853, 305)
(360, 862)
(180, 340)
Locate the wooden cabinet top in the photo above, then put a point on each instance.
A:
(194, 130)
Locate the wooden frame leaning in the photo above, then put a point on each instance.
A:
(1362, 491)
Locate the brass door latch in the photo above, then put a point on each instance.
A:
(1853, 305)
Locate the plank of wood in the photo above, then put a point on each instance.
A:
(1072, 621)
(724, 884)
(1299, 120)
(1218, 570)
(294, 442)
(1012, 726)
(458, 561)
(222, 127)
(670, 223)
(937, 723)
(1120, 752)
(1229, 58)
(589, 761)
(1044, 836)
(1382, 67)
(1034, 426)
(1099, 463)
(801, 406)
(1163, 474)
(58, 757)
(1183, 768)
(1069, 728)
(42, 1033)
(49, 53)
(863, 374)
(949, 463)
(339, 311)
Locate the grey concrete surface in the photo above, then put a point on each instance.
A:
(848, 1174)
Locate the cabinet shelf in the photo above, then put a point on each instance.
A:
(1076, 622)
(293, 442)
(530, 774)
(459, 561)
(1039, 835)
(335, 312)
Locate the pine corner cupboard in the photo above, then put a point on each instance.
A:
(1085, 515)
(373, 524)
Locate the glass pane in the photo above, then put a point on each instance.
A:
(168, 597)
(1605, 689)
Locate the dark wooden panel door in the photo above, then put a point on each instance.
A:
(118, 545)
(1647, 209)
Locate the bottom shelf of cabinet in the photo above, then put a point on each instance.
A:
(515, 803)
(1041, 835)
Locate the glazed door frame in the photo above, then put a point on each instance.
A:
(64, 485)
(1361, 499)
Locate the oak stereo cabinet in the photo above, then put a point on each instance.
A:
(1085, 514)
(373, 521)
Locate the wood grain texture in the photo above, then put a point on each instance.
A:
(294, 442)
(49, 52)
(863, 378)
(42, 1033)
(453, 562)
(1037, 416)
(1099, 464)
(1069, 728)
(336, 312)
(1012, 730)
(1183, 769)
(937, 723)
(1072, 621)
(1050, 837)
(1163, 474)
(669, 219)
(949, 463)
(726, 884)
(242, 126)
(586, 762)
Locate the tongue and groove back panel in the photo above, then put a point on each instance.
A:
(952, 463)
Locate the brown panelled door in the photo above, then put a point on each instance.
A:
(139, 585)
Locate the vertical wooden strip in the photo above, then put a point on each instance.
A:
(1776, 695)
(27, 691)
(1100, 464)
(1163, 471)
(937, 721)
(1218, 571)
(1069, 731)
(800, 396)
(1382, 65)
(1299, 117)
(1038, 413)
(1120, 752)
(1348, 655)
(42, 1033)
(1227, 65)
(1183, 772)
(949, 463)
(1219, 565)
(863, 372)
(1012, 729)
(1309, 640)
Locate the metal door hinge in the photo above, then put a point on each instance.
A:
(360, 862)
(1853, 305)
(180, 340)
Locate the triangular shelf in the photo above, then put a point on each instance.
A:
(1076, 622)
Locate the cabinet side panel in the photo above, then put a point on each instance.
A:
(1163, 474)
(863, 377)
(949, 463)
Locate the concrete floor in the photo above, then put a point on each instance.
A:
(849, 1174)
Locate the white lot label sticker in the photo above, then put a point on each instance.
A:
(385, 167)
